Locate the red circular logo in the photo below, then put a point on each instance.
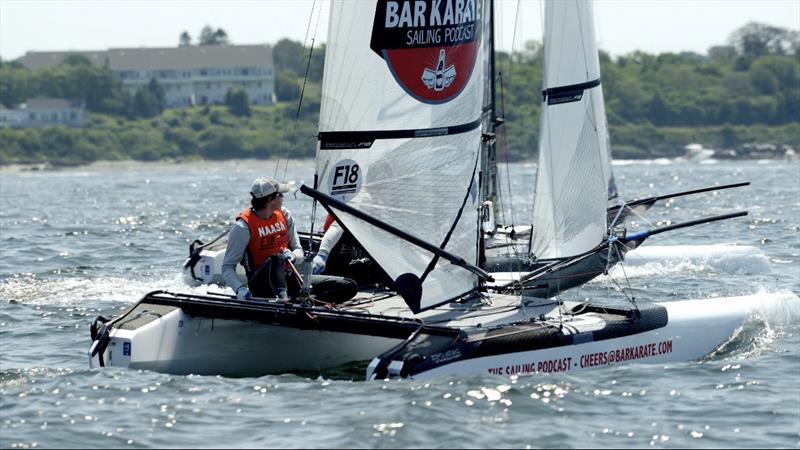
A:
(430, 46)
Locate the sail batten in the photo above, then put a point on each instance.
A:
(364, 139)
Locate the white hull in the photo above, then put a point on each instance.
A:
(695, 329)
(180, 344)
(174, 341)
(262, 337)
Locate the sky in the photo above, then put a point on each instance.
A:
(653, 26)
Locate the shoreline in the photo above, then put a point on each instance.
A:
(269, 165)
(161, 165)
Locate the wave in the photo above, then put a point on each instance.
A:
(643, 162)
(81, 291)
(773, 316)
(678, 259)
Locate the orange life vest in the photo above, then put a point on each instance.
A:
(267, 237)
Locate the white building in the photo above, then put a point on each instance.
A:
(42, 112)
(193, 75)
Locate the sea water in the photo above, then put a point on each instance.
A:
(91, 241)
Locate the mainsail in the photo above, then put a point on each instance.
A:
(400, 135)
(574, 174)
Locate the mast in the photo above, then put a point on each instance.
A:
(489, 182)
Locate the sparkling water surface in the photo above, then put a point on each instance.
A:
(86, 241)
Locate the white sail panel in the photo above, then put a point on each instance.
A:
(569, 43)
(573, 171)
(400, 132)
(364, 91)
(445, 282)
(422, 186)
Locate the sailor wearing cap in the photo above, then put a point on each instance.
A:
(264, 240)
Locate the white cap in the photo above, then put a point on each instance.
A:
(263, 187)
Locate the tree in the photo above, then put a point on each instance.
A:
(728, 137)
(289, 56)
(238, 102)
(722, 53)
(185, 40)
(758, 39)
(75, 59)
(99, 87)
(785, 71)
(220, 36)
(158, 94)
(315, 68)
(658, 111)
(286, 86)
(763, 81)
(144, 104)
(16, 84)
(208, 36)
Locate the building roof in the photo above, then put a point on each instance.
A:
(39, 60)
(170, 58)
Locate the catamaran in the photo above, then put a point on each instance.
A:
(401, 130)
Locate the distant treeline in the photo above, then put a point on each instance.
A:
(745, 91)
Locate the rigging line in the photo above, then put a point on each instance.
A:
(502, 309)
(498, 16)
(300, 103)
(541, 19)
(455, 222)
(583, 43)
(549, 165)
(505, 142)
(603, 156)
(306, 290)
(644, 219)
(500, 196)
(542, 120)
(631, 299)
(308, 27)
(560, 314)
(658, 266)
(305, 79)
(621, 263)
(514, 35)
(305, 39)
(591, 117)
(615, 220)
(505, 153)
